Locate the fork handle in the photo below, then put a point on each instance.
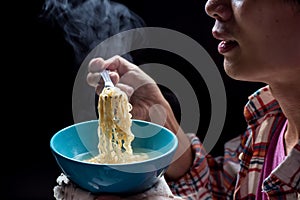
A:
(106, 78)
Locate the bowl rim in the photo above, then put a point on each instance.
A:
(172, 149)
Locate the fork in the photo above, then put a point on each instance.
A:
(106, 78)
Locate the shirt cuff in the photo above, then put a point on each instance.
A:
(195, 181)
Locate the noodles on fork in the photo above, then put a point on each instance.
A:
(114, 130)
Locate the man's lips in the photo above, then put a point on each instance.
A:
(226, 46)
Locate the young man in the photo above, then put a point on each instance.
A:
(260, 42)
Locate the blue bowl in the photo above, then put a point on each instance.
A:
(71, 144)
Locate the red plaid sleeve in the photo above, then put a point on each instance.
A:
(208, 178)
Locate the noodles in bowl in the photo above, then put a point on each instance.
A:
(148, 148)
(73, 144)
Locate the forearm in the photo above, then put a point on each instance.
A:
(183, 157)
(159, 111)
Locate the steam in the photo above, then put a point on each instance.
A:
(86, 23)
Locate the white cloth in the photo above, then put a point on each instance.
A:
(66, 190)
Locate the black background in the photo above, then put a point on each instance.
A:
(38, 73)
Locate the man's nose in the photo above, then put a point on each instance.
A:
(219, 9)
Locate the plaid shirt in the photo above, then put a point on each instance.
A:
(236, 174)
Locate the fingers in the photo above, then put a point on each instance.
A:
(114, 64)
(114, 76)
(96, 65)
(93, 79)
(119, 64)
(94, 68)
(124, 74)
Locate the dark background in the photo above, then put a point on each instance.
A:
(38, 76)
